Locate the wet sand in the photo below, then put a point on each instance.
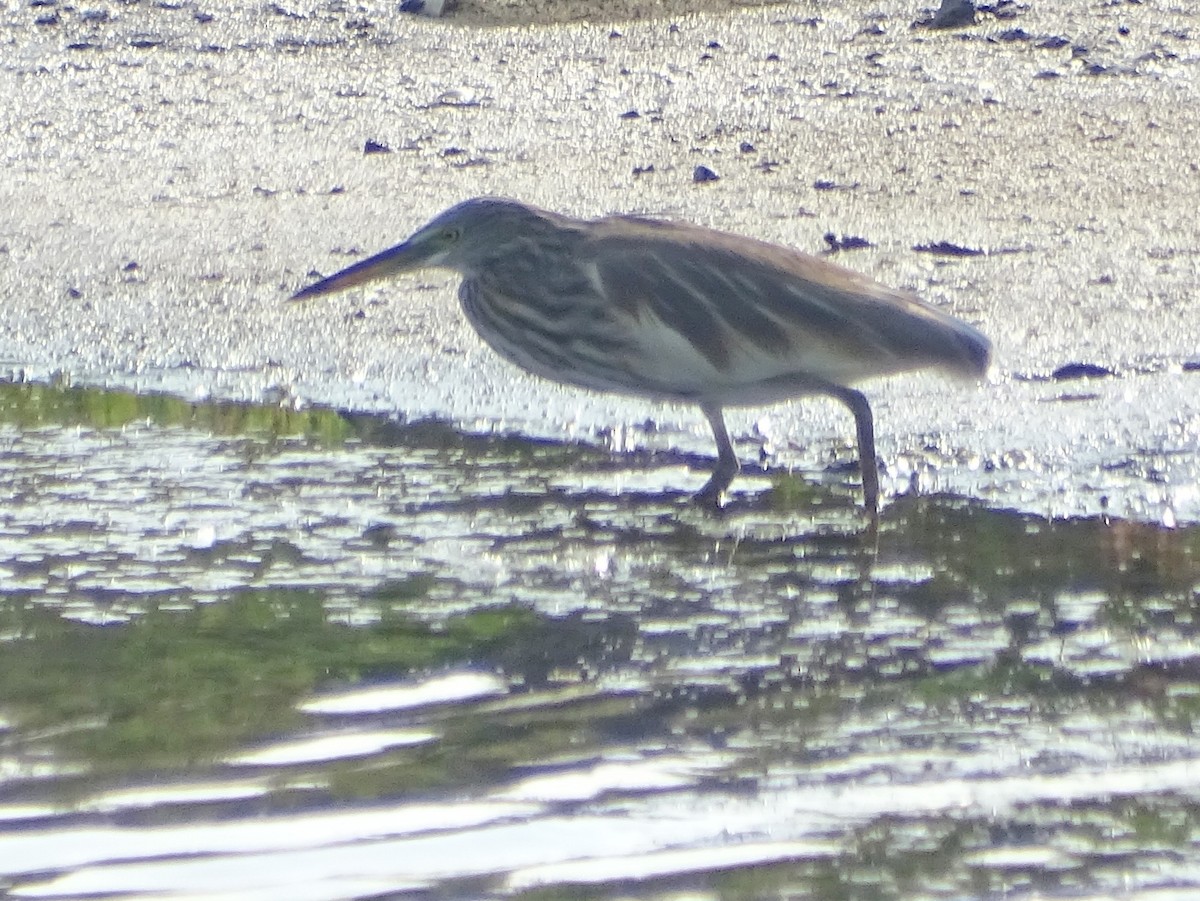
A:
(174, 172)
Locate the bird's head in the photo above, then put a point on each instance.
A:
(463, 238)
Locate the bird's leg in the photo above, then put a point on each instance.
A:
(727, 462)
(865, 424)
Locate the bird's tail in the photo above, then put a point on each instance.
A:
(974, 350)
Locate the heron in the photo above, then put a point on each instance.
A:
(677, 312)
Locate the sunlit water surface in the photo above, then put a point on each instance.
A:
(261, 654)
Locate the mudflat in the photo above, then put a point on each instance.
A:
(175, 171)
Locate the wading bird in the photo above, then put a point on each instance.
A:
(676, 312)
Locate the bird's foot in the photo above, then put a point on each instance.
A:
(709, 497)
(712, 495)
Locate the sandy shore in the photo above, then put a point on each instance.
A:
(174, 172)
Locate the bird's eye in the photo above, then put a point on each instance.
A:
(450, 235)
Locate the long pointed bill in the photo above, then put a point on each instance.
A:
(401, 258)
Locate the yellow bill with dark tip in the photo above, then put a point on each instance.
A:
(400, 258)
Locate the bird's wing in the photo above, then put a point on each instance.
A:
(755, 310)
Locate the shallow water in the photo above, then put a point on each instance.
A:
(266, 654)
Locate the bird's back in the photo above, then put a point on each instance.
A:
(751, 312)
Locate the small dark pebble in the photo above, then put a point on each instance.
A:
(1005, 9)
(1191, 366)
(379, 534)
(51, 19)
(824, 184)
(337, 189)
(1047, 73)
(1054, 42)
(453, 151)
(845, 242)
(131, 266)
(946, 248)
(772, 57)
(614, 34)
(376, 147)
(631, 114)
(703, 174)
(145, 43)
(74, 293)
(746, 147)
(713, 45)
(642, 170)
(1080, 371)
(953, 14)
(1156, 55)
(203, 18)
(1013, 34)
